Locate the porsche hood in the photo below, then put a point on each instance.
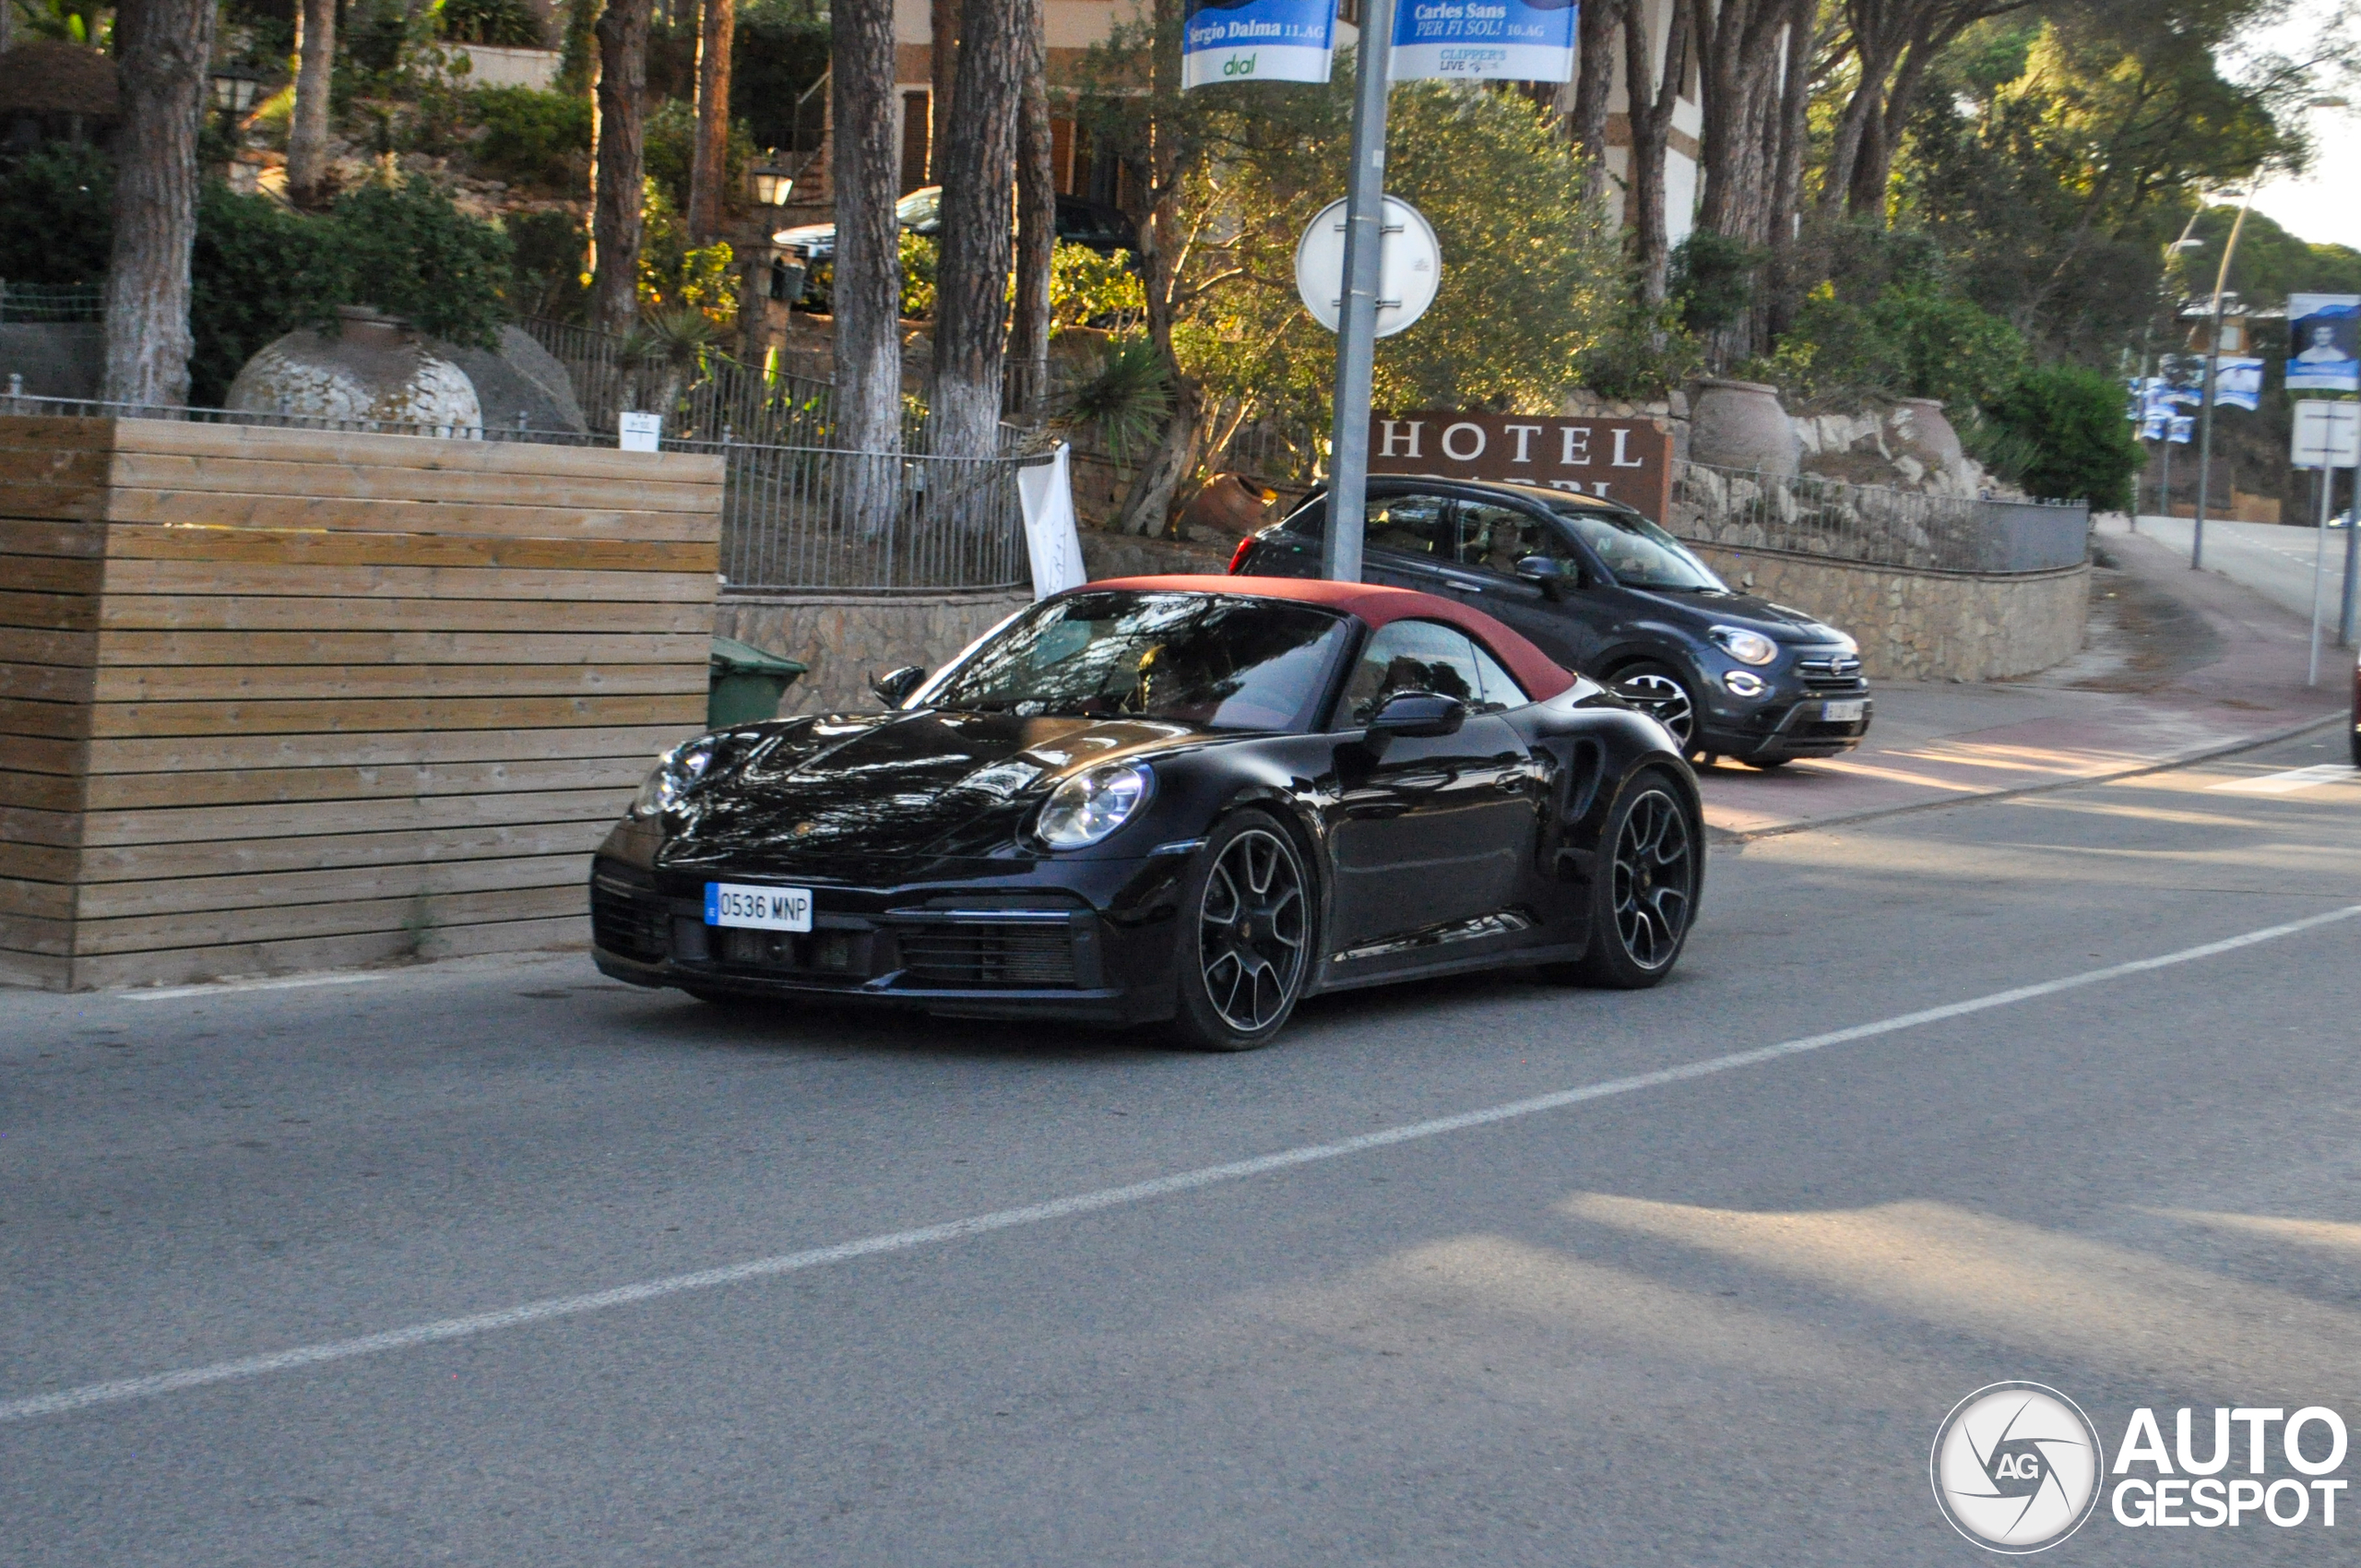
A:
(804, 792)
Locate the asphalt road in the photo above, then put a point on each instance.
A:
(2271, 558)
(1705, 1319)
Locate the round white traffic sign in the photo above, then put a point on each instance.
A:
(1409, 267)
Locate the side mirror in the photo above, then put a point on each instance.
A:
(1415, 714)
(1548, 574)
(896, 685)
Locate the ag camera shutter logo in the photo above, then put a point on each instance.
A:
(2016, 1468)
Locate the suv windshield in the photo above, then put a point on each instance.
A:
(920, 209)
(1227, 662)
(1640, 553)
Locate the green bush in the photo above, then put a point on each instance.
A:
(532, 137)
(781, 50)
(1711, 281)
(56, 225)
(548, 250)
(671, 145)
(412, 253)
(1913, 341)
(2067, 421)
(257, 270)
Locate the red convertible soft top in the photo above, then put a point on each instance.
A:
(1377, 604)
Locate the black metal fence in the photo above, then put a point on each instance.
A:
(1806, 515)
(794, 518)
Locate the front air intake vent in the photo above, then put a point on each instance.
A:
(1032, 956)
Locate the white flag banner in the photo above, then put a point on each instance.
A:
(1257, 41)
(1528, 40)
(1051, 537)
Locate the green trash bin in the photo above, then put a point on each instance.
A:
(747, 683)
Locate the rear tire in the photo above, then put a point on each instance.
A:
(1644, 893)
(1245, 945)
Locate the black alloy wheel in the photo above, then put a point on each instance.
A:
(1247, 947)
(1645, 894)
(1658, 691)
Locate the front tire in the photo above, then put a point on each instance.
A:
(1644, 895)
(1246, 937)
(1658, 691)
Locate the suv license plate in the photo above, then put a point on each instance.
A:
(1844, 712)
(757, 909)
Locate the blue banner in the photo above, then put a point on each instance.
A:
(2324, 351)
(1257, 41)
(1530, 41)
(2237, 382)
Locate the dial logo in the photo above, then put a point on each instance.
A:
(2016, 1468)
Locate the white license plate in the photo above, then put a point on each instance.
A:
(757, 909)
(1844, 712)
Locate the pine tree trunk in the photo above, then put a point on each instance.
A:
(1037, 222)
(161, 50)
(868, 262)
(307, 133)
(971, 279)
(618, 172)
(943, 27)
(1651, 101)
(1794, 141)
(709, 160)
(1595, 83)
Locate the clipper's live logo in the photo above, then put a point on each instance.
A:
(2016, 1466)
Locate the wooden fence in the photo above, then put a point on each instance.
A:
(275, 699)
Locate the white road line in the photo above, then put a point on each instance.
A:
(232, 987)
(2288, 783)
(92, 1393)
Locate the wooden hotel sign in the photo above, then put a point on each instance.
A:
(1624, 459)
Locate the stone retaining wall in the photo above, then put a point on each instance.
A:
(848, 639)
(1926, 625)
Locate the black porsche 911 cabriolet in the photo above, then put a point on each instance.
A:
(1191, 801)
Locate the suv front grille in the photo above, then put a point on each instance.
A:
(1833, 673)
(1017, 954)
(631, 927)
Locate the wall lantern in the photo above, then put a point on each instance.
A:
(773, 182)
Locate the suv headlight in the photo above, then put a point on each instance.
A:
(1091, 805)
(1746, 647)
(677, 772)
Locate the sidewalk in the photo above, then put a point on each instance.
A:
(2180, 664)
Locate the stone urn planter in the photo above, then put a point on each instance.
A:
(1918, 429)
(1739, 424)
(371, 370)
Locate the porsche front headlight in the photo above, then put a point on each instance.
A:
(677, 772)
(1089, 806)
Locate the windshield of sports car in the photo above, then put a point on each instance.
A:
(1640, 554)
(1223, 662)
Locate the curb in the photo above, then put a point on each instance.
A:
(2158, 765)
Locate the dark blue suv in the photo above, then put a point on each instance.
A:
(1603, 591)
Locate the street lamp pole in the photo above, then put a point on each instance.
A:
(2212, 373)
(1340, 550)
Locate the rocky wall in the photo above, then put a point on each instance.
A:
(1926, 625)
(850, 640)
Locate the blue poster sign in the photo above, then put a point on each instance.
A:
(2237, 382)
(2324, 346)
(1257, 41)
(1530, 41)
